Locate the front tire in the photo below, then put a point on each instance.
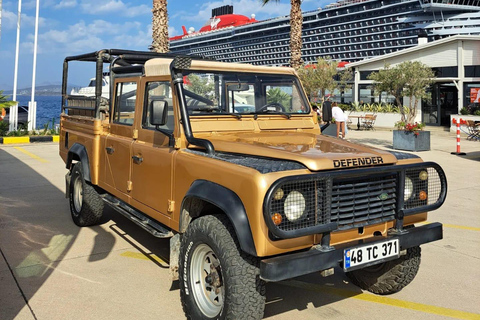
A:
(217, 279)
(86, 206)
(389, 277)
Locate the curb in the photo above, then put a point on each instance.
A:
(28, 139)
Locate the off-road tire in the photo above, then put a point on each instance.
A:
(388, 277)
(243, 290)
(86, 206)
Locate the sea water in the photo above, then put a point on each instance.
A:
(48, 109)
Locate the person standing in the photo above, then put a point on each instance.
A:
(340, 119)
(327, 110)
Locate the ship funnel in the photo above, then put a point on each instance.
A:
(222, 10)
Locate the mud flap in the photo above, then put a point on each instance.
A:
(68, 178)
(174, 254)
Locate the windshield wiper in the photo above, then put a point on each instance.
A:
(214, 109)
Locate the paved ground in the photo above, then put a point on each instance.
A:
(50, 269)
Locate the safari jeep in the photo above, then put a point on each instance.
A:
(227, 160)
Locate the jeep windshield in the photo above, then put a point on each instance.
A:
(238, 94)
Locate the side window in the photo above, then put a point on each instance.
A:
(158, 91)
(125, 103)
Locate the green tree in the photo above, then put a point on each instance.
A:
(4, 102)
(160, 41)
(296, 21)
(201, 86)
(276, 95)
(324, 76)
(407, 79)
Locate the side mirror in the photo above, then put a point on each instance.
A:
(158, 112)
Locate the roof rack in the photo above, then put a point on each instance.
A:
(121, 62)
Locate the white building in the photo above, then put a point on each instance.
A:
(456, 63)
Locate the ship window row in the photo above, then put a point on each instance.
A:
(378, 40)
(345, 56)
(348, 25)
(371, 11)
(355, 52)
(369, 31)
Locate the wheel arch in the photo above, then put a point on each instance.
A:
(78, 152)
(205, 194)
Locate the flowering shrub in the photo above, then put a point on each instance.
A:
(409, 127)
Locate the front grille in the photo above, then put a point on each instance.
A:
(342, 200)
(356, 203)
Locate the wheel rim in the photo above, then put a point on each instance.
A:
(77, 194)
(208, 294)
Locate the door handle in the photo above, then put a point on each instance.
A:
(137, 159)
(110, 150)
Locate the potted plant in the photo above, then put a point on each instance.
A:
(411, 137)
(409, 79)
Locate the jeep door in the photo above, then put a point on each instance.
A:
(118, 142)
(152, 164)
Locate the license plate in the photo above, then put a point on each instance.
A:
(359, 256)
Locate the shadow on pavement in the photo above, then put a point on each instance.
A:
(282, 297)
(299, 293)
(36, 233)
(475, 156)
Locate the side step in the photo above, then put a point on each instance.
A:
(152, 226)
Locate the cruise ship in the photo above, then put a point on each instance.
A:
(347, 31)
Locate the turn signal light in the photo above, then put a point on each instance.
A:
(422, 195)
(277, 218)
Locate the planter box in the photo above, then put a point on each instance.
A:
(384, 120)
(403, 140)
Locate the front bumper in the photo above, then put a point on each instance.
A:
(317, 259)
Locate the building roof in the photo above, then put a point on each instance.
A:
(414, 49)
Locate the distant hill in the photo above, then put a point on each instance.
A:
(49, 90)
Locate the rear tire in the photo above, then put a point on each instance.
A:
(86, 206)
(389, 277)
(217, 279)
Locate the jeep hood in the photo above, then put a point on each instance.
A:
(316, 152)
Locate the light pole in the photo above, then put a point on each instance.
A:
(14, 109)
(32, 105)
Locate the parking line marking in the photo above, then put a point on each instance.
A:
(28, 153)
(138, 255)
(455, 226)
(461, 227)
(384, 300)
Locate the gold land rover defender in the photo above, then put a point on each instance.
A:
(228, 161)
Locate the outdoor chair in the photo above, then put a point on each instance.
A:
(473, 130)
(349, 121)
(368, 121)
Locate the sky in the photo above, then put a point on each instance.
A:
(71, 27)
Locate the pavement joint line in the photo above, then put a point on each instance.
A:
(18, 285)
(28, 153)
(447, 312)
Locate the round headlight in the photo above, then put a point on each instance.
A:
(294, 206)
(408, 189)
(423, 175)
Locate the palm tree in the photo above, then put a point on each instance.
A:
(296, 21)
(160, 26)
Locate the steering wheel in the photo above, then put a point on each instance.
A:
(278, 107)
